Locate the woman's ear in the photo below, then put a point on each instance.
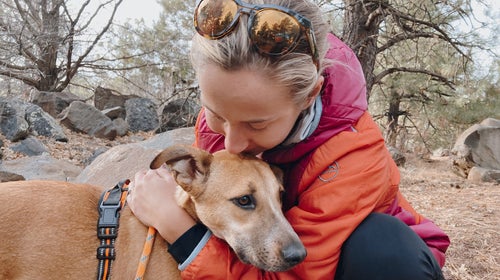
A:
(316, 90)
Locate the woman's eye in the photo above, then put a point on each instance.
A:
(245, 202)
(258, 126)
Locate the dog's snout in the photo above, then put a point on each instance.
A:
(294, 253)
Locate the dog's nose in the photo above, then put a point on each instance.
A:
(294, 253)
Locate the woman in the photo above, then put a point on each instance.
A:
(275, 84)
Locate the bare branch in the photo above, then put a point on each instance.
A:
(441, 33)
(414, 35)
(72, 69)
(24, 15)
(378, 78)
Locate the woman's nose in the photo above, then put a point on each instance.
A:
(235, 141)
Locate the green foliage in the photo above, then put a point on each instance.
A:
(440, 92)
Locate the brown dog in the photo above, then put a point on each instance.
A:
(48, 228)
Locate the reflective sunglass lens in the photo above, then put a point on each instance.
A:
(215, 17)
(274, 32)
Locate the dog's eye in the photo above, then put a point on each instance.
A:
(245, 202)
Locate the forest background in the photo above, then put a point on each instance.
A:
(432, 66)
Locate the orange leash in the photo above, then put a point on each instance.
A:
(146, 252)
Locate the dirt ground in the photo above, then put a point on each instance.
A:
(469, 213)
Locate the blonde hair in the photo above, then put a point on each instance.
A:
(295, 71)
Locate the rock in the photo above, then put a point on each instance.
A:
(13, 124)
(123, 161)
(479, 175)
(20, 118)
(121, 126)
(8, 177)
(141, 114)
(398, 157)
(441, 152)
(479, 146)
(41, 167)
(43, 124)
(30, 147)
(54, 102)
(178, 113)
(104, 98)
(82, 117)
(99, 151)
(115, 112)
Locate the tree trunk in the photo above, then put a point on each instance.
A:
(393, 117)
(361, 29)
(49, 47)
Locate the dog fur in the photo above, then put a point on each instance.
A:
(48, 228)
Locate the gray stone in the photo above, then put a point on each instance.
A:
(178, 113)
(141, 114)
(479, 174)
(30, 147)
(123, 161)
(398, 157)
(20, 119)
(43, 124)
(115, 112)
(121, 126)
(104, 98)
(85, 118)
(13, 124)
(54, 102)
(41, 167)
(478, 146)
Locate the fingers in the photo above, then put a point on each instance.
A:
(164, 173)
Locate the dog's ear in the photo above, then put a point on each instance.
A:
(189, 166)
(278, 173)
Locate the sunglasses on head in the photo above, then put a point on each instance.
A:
(273, 30)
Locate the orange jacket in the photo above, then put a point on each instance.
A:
(333, 180)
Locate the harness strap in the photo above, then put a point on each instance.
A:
(110, 204)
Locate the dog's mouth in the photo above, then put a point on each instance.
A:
(264, 260)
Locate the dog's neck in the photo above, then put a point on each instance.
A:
(184, 200)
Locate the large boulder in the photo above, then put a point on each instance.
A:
(30, 146)
(178, 113)
(54, 102)
(478, 146)
(20, 119)
(41, 167)
(43, 124)
(123, 161)
(13, 124)
(141, 114)
(82, 117)
(105, 98)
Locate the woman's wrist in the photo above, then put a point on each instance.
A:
(172, 231)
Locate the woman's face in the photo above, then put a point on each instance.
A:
(254, 113)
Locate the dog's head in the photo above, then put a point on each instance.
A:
(238, 198)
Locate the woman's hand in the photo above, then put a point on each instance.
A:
(152, 200)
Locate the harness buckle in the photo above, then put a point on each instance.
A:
(109, 208)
